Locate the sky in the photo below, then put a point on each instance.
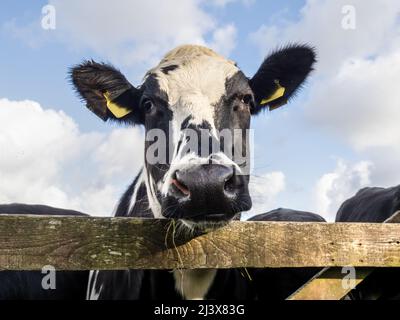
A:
(340, 134)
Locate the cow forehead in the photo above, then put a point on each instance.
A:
(194, 76)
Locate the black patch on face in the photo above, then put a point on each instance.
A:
(237, 85)
(203, 131)
(186, 125)
(170, 68)
(231, 104)
(151, 88)
(157, 119)
(231, 112)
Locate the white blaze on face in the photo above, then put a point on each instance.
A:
(197, 84)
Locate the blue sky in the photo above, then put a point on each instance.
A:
(41, 69)
(309, 155)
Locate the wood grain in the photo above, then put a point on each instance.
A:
(81, 243)
(328, 283)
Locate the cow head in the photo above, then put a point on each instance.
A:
(196, 108)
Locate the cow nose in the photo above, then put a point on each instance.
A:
(208, 192)
(202, 181)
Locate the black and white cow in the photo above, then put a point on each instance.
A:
(192, 90)
(374, 204)
(27, 285)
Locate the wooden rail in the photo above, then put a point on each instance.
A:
(327, 284)
(82, 243)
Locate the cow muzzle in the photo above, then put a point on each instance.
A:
(206, 193)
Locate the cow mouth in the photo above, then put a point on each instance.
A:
(209, 211)
(220, 218)
(210, 222)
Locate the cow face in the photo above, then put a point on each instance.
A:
(196, 108)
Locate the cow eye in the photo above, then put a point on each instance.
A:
(247, 99)
(148, 105)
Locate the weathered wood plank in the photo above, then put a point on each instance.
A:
(327, 284)
(79, 243)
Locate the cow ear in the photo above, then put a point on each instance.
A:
(281, 75)
(106, 92)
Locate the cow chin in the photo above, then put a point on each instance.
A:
(214, 214)
(208, 222)
(207, 226)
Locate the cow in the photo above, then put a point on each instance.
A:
(192, 92)
(27, 285)
(370, 205)
(283, 214)
(374, 205)
(39, 210)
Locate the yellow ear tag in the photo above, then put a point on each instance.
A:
(279, 92)
(116, 110)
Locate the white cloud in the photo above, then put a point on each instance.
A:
(120, 153)
(361, 102)
(264, 189)
(320, 24)
(131, 32)
(223, 3)
(45, 159)
(333, 188)
(224, 39)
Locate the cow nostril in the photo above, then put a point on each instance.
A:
(230, 184)
(180, 186)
